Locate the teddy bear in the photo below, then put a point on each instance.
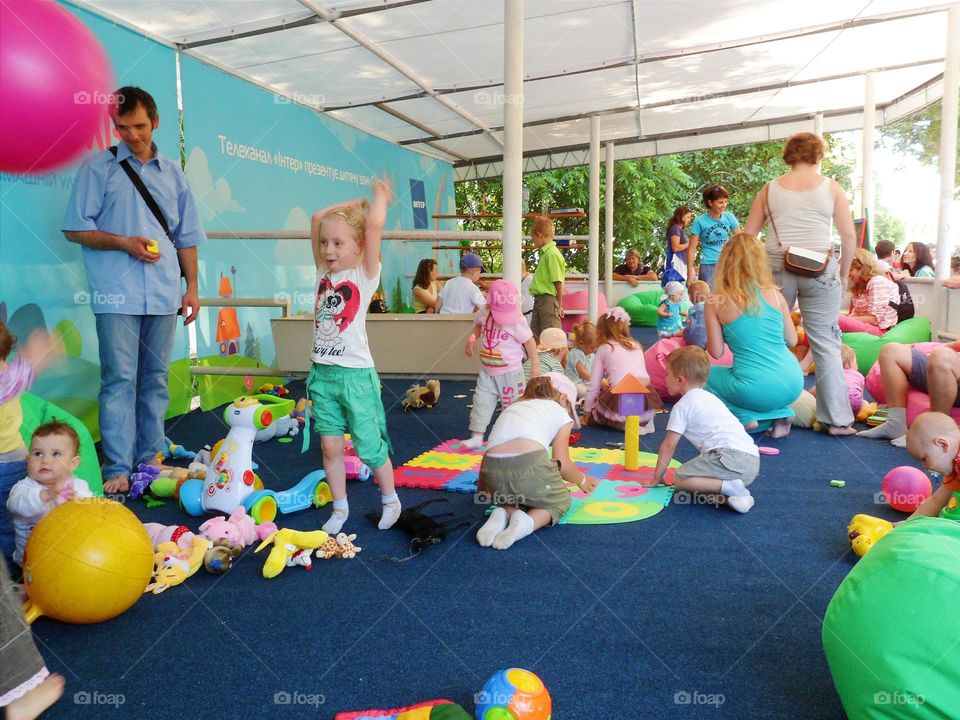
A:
(419, 396)
(238, 529)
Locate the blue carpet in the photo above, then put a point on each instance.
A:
(695, 612)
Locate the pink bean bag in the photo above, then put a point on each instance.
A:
(579, 301)
(917, 402)
(655, 358)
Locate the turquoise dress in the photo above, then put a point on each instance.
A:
(765, 377)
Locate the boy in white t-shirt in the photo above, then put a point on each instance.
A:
(728, 460)
(461, 294)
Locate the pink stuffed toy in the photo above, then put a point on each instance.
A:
(238, 529)
(177, 534)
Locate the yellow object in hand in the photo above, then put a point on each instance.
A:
(153, 247)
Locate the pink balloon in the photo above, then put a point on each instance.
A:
(56, 87)
(905, 487)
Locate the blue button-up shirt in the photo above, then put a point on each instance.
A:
(105, 199)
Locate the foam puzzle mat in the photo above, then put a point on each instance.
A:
(620, 497)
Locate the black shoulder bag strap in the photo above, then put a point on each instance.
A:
(144, 193)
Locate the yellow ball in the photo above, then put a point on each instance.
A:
(86, 561)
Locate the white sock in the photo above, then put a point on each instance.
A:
(495, 524)
(391, 511)
(899, 441)
(341, 511)
(894, 427)
(647, 427)
(520, 526)
(740, 503)
(474, 442)
(734, 488)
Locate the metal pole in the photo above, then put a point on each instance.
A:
(608, 228)
(513, 138)
(948, 143)
(869, 124)
(593, 253)
(818, 124)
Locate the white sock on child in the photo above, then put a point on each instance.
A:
(648, 427)
(473, 442)
(341, 511)
(734, 488)
(520, 526)
(495, 524)
(893, 428)
(391, 511)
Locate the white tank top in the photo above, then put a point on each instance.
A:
(802, 219)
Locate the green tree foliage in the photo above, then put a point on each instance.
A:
(888, 227)
(919, 136)
(646, 192)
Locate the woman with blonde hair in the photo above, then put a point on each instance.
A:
(751, 316)
(874, 299)
(798, 209)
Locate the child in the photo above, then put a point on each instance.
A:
(695, 329)
(728, 460)
(852, 376)
(934, 440)
(552, 352)
(580, 359)
(711, 231)
(617, 355)
(461, 294)
(343, 383)
(53, 456)
(517, 473)
(669, 322)
(16, 378)
(504, 335)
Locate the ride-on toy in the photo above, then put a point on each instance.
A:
(231, 481)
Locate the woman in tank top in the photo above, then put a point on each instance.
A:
(798, 208)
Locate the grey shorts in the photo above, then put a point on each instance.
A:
(722, 464)
(918, 374)
(530, 480)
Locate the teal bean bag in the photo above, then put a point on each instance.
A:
(642, 307)
(867, 346)
(37, 411)
(891, 631)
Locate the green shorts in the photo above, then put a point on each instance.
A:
(530, 480)
(348, 400)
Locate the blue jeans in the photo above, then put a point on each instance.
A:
(10, 474)
(706, 273)
(134, 359)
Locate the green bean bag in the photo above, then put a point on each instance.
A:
(642, 307)
(867, 346)
(890, 632)
(37, 411)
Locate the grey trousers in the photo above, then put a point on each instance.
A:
(819, 299)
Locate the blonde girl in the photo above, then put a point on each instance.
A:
(874, 297)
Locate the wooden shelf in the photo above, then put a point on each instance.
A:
(578, 214)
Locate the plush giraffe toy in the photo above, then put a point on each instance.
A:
(340, 546)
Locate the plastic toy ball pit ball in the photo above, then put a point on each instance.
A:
(514, 694)
(889, 635)
(905, 487)
(87, 561)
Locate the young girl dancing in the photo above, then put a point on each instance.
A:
(618, 354)
(343, 382)
(504, 335)
(518, 475)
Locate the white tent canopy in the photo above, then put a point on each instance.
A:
(663, 76)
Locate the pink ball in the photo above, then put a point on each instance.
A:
(56, 87)
(905, 487)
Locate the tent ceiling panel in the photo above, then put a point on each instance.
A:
(716, 70)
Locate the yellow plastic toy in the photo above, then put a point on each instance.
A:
(153, 246)
(865, 531)
(173, 565)
(290, 547)
(87, 561)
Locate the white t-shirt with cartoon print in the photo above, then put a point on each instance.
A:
(340, 318)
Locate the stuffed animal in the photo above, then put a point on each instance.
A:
(179, 535)
(342, 546)
(172, 565)
(420, 396)
(238, 529)
(290, 547)
(219, 558)
(424, 530)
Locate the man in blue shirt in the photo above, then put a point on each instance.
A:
(134, 269)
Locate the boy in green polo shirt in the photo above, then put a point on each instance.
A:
(547, 285)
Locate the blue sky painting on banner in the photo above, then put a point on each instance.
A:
(42, 280)
(257, 161)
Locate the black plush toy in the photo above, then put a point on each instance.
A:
(425, 530)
